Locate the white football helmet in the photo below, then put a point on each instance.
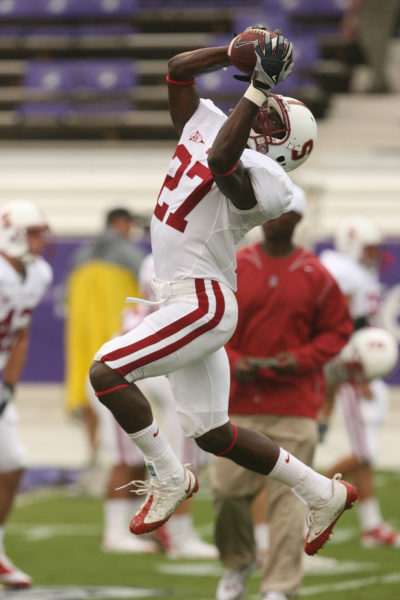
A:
(16, 218)
(356, 233)
(295, 141)
(375, 349)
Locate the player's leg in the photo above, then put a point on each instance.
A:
(214, 433)
(178, 334)
(178, 538)
(13, 461)
(126, 463)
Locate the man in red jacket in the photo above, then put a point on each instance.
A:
(293, 319)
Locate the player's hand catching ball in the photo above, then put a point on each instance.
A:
(273, 63)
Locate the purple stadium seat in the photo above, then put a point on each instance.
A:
(51, 75)
(66, 8)
(118, 75)
(13, 9)
(54, 8)
(270, 18)
(314, 7)
(194, 4)
(105, 8)
(48, 109)
(105, 78)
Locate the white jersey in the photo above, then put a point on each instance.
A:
(195, 228)
(357, 281)
(18, 297)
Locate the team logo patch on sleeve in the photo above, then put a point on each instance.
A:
(196, 136)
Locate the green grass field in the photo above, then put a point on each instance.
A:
(55, 535)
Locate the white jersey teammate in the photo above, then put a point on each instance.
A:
(216, 189)
(24, 279)
(355, 265)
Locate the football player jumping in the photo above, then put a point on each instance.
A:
(227, 175)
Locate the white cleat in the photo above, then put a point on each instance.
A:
(191, 546)
(321, 518)
(233, 583)
(11, 576)
(161, 501)
(127, 544)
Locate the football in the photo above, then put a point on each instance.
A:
(241, 49)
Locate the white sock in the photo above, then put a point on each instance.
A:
(160, 460)
(261, 537)
(369, 514)
(117, 514)
(310, 486)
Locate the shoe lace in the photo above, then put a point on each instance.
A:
(151, 486)
(148, 486)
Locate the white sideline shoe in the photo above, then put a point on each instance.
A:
(321, 518)
(161, 501)
(232, 585)
(11, 576)
(191, 546)
(129, 544)
(274, 595)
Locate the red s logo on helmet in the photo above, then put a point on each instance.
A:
(306, 149)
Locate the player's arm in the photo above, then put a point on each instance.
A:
(17, 357)
(13, 368)
(183, 94)
(224, 157)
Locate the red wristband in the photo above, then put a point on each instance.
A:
(227, 173)
(190, 82)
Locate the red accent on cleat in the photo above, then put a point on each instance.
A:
(161, 502)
